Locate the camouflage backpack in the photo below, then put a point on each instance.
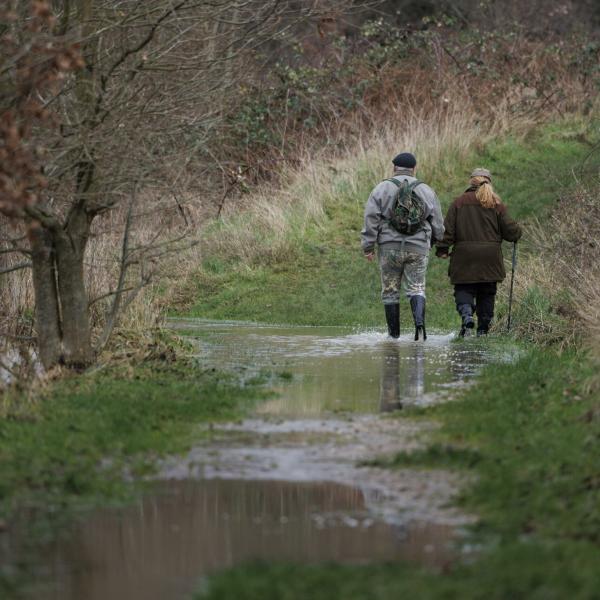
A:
(408, 211)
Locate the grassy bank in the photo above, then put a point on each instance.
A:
(50, 454)
(68, 451)
(318, 276)
(530, 434)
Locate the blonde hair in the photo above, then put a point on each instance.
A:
(485, 192)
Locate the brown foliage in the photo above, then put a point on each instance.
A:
(383, 72)
(32, 72)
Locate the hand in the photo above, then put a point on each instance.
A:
(370, 256)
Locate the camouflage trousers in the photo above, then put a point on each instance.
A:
(400, 268)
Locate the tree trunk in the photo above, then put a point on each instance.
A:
(76, 335)
(61, 302)
(47, 314)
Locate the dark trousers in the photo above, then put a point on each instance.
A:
(476, 298)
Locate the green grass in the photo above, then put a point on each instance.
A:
(69, 452)
(526, 571)
(326, 280)
(50, 454)
(530, 435)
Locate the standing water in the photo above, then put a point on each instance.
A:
(335, 369)
(286, 484)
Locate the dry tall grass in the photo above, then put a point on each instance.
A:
(558, 287)
(276, 215)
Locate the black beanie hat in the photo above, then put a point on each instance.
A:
(405, 160)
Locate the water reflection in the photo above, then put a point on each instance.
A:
(162, 547)
(402, 375)
(337, 369)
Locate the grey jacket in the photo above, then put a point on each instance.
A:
(379, 209)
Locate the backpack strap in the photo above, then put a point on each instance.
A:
(412, 185)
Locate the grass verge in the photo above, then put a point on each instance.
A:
(530, 434)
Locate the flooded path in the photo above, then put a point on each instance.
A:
(333, 369)
(287, 483)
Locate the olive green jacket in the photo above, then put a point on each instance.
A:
(475, 235)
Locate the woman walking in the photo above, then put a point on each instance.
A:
(475, 225)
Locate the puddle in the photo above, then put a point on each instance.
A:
(328, 451)
(287, 483)
(162, 547)
(329, 369)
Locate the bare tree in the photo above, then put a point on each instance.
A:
(104, 104)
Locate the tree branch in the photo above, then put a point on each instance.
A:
(131, 51)
(8, 369)
(108, 295)
(48, 220)
(15, 251)
(111, 320)
(18, 267)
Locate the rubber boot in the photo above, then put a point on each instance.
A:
(483, 326)
(417, 304)
(466, 313)
(392, 316)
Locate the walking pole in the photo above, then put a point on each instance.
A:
(512, 283)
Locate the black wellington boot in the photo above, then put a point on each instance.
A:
(466, 313)
(417, 304)
(483, 326)
(392, 316)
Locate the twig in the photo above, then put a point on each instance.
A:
(153, 246)
(456, 61)
(595, 148)
(25, 265)
(181, 210)
(112, 316)
(6, 368)
(107, 295)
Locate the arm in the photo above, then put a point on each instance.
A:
(448, 240)
(373, 217)
(436, 220)
(434, 211)
(509, 230)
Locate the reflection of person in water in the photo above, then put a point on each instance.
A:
(389, 384)
(401, 379)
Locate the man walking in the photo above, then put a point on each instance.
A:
(403, 219)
